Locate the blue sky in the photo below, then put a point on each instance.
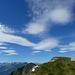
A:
(36, 30)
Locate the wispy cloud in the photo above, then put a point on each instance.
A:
(5, 29)
(10, 38)
(61, 51)
(45, 14)
(46, 45)
(44, 11)
(3, 47)
(35, 52)
(2, 44)
(6, 37)
(67, 48)
(9, 52)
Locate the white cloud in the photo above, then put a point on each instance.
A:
(15, 39)
(44, 11)
(9, 38)
(67, 48)
(57, 7)
(2, 47)
(63, 51)
(5, 29)
(60, 15)
(46, 45)
(1, 43)
(72, 44)
(9, 52)
(34, 28)
(72, 48)
(34, 52)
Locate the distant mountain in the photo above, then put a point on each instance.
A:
(7, 68)
(25, 70)
(56, 66)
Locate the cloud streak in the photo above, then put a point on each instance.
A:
(9, 52)
(6, 37)
(67, 48)
(47, 44)
(35, 52)
(9, 38)
(3, 47)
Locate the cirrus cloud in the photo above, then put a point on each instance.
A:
(44, 11)
(10, 38)
(67, 48)
(47, 44)
(9, 52)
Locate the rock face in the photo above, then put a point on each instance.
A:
(7, 68)
(26, 70)
(54, 59)
(72, 59)
(33, 69)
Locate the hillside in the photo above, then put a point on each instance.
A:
(57, 66)
(26, 70)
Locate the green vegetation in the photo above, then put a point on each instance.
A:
(57, 66)
(61, 66)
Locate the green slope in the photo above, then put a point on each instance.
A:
(61, 66)
(57, 66)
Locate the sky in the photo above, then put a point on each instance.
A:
(36, 30)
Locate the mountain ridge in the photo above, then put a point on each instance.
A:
(60, 66)
(8, 67)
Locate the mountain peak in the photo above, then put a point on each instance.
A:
(57, 66)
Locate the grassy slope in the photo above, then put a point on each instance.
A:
(62, 66)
